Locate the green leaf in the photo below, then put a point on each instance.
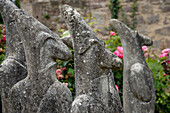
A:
(70, 71)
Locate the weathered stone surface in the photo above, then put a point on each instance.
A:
(40, 91)
(146, 9)
(95, 90)
(138, 88)
(140, 20)
(163, 31)
(68, 41)
(13, 68)
(166, 20)
(127, 9)
(153, 19)
(165, 8)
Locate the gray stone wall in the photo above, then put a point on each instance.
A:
(153, 16)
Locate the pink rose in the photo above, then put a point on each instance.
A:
(121, 56)
(163, 55)
(63, 68)
(119, 52)
(60, 77)
(144, 48)
(4, 37)
(165, 74)
(166, 51)
(167, 62)
(120, 49)
(117, 87)
(58, 72)
(112, 33)
(116, 53)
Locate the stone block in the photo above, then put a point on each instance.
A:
(143, 29)
(140, 20)
(146, 9)
(163, 31)
(165, 8)
(153, 19)
(166, 20)
(127, 9)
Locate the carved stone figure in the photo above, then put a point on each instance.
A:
(138, 88)
(95, 87)
(40, 91)
(13, 68)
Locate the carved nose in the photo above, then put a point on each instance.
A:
(62, 52)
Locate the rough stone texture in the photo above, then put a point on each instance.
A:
(40, 91)
(165, 31)
(166, 8)
(95, 87)
(138, 88)
(99, 8)
(13, 68)
(153, 19)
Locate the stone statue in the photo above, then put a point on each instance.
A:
(40, 91)
(138, 88)
(13, 68)
(95, 87)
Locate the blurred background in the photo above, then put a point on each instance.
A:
(148, 17)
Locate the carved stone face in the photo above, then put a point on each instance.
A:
(131, 35)
(35, 35)
(70, 15)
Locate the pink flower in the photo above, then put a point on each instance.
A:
(166, 51)
(120, 49)
(117, 88)
(165, 74)
(163, 55)
(4, 37)
(167, 62)
(121, 56)
(3, 26)
(112, 33)
(117, 53)
(60, 77)
(144, 48)
(63, 68)
(58, 72)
